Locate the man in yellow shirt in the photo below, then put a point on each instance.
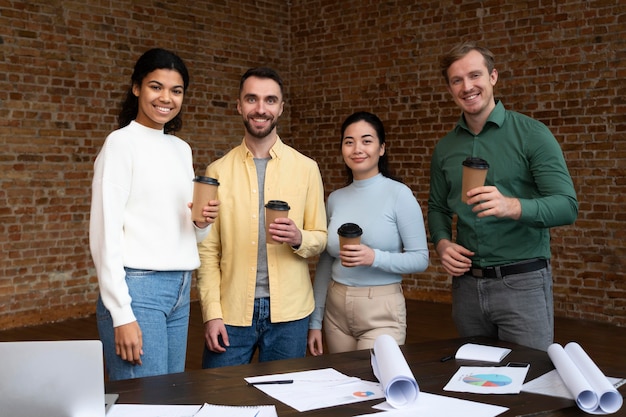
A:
(256, 295)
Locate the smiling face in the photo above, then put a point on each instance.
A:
(361, 150)
(471, 86)
(160, 97)
(260, 104)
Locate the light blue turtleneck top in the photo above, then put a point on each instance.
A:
(393, 226)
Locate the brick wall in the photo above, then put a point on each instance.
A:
(562, 62)
(64, 66)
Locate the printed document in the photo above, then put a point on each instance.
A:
(488, 379)
(319, 388)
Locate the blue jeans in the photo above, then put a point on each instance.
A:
(516, 308)
(160, 302)
(274, 340)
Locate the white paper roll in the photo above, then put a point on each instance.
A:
(593, 392)
(393, 373)
(609, 399)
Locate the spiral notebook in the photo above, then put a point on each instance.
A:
(211, 410)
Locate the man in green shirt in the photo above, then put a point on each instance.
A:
(500, 262)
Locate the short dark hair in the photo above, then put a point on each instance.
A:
(462, 49)
(377, 124)
(152, 60)
(262, 72)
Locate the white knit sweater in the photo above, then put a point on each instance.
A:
(139, 216)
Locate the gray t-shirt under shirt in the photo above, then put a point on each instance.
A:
(262, 278)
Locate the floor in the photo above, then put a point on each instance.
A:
(426, 321)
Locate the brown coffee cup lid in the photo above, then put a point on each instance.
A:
(277, 205)
(477, 163)
(349, 230)
(206, 180)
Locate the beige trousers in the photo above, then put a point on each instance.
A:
(356, 316)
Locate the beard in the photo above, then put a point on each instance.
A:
(259, 134)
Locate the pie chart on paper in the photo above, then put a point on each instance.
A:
(487, 380)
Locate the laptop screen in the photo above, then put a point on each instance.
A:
(52, 378)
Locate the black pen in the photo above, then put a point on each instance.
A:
(447, 358)
(277, 381)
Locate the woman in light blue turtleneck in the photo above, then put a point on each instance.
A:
(358, 288)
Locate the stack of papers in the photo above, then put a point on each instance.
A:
(211, 410)
(474, 352)
(207, 410)
(151, 410)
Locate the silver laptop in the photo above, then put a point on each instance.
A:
(52, 378)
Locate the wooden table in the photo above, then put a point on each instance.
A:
(227, 386)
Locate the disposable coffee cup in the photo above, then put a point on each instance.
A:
(204, 190)
(349, 234)
(474, 175)
(273, 210)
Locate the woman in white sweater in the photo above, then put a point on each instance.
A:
(142, 239)
(358, 288)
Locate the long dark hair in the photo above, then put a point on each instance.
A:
(152, 60)
(377, 124)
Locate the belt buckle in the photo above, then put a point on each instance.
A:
(476, 272)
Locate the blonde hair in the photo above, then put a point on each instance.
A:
(462, 49)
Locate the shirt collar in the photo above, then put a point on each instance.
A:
(275, 152)
(496, 117)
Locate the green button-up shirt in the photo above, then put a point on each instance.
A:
(525, 161)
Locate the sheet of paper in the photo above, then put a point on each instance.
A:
(213, 410)
(552, 384)
(488, 379)
(393, 372)
(152, 410)
(474, 352)
(431, 405)
(318, 388)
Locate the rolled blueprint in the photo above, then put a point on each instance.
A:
(393, 373)
(593, 392)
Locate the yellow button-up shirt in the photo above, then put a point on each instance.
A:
(227, 275)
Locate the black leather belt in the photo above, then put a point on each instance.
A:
(511, 269)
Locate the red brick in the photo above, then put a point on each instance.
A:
(67, 66)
